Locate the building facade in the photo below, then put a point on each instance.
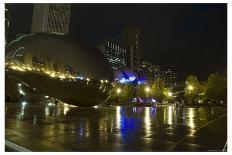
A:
(115, 54)
(169, 76)
(7, 22)
(51, 18)
(131, 41)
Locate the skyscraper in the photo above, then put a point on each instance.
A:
(131, 41)
(52, 18)
(114, 53)
(7, 21)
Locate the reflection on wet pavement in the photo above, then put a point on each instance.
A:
(61, 127)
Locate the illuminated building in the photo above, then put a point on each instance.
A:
(131, 41)
(148, 71)
(52, 18)
(169, 76)
(7, 21)
(115, 54)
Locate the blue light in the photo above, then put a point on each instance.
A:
(123, 80)
(132, 78)
(80, 78)
(153, 100)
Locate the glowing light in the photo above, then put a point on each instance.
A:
(170, 94)
(50, 104)
(52, 74)
(102, 81)
(170, 115)
(66, 108)
(147, 121)
(46, 96)
(24, 103)
(95, 107)
(191, 123)
(153, 100)
(21, 92)
(61, 76)
(132, 78)
(147, 89)
(47, 111)
(87, 79)
(190, 87)
(118, 90)
(19, 84)
(118, 117)
(17, 68)
(29, 68)
(80, 78)
(123, 80)
(106, 81)
(47, 72)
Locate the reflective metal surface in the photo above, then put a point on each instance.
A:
(50, 127)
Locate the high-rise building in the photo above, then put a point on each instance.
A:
(51, 18)
(131, 41)
(169, 76)
(148, 71)
(7, 21)
(114, 53)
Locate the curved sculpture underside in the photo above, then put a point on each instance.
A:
(84, 60)
(79, 93)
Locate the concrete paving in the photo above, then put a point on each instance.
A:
(47, 127)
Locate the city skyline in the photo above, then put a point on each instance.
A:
(183, 35)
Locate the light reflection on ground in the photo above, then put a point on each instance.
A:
(61, 127)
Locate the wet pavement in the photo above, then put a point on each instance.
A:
(50, 127)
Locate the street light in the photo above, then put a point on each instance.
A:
(170, 94)
(118, 91)
(190, 87)
(147, 89)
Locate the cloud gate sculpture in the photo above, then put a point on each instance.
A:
(57, 67)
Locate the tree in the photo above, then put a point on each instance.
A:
(148, 70)
(141, 91)
(192, 89)
(122, 92)
(157, 89)
(168, 96)
(216, 88)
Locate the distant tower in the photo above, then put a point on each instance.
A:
(53, 18)
(131, 41)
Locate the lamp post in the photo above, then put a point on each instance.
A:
(190, 88)
(118, 91)
(147, 90)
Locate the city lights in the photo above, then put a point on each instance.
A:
(109, 77)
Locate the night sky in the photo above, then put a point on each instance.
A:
(192, 37)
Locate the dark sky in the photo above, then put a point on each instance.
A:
(192, 37)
